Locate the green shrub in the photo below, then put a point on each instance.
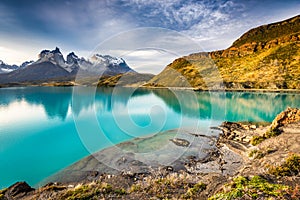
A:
(81, 193)
(256, 154)
(135, 188)
(197, 188)
(86, 192)
(272, 133)
(119, 191)
(255, 187)
(289, 168)
(255, 140)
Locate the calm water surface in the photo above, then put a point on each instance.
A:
(45, 129)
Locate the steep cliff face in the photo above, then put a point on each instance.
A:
(266, 57)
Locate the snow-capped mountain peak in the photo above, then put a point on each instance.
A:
(5, 68)
(97, 58)
(25, 64)
(54, 56)
(56, 51)
(72, 58)
(97, 64)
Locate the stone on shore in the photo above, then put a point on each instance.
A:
(18, 190)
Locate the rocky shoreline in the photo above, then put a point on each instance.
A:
(235, 165)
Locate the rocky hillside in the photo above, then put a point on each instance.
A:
(266, 57)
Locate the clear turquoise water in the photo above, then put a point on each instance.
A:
(45, 129)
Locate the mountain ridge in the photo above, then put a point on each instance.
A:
(287, 26)
(51, 66)
(269, 63)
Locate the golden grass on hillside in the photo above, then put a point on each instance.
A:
(274, 68)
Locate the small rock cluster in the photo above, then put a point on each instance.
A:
(237, 131)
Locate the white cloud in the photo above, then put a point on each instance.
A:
(209, 23)
(149, 60)
(148, 49)
(13, 56)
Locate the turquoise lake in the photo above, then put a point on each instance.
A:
(45, 129)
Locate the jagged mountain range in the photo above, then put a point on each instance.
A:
(51, 66)
(5, 68)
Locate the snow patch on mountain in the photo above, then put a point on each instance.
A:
(5, 68)
(25, 64)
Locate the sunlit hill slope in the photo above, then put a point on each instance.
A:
(266, 57)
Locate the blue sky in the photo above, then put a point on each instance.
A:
(27, 27)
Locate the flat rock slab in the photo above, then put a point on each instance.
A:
(175, 149)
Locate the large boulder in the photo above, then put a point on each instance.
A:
(18, 189)
(288, 116)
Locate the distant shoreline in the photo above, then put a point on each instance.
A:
(73, 84)
(229, 89)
